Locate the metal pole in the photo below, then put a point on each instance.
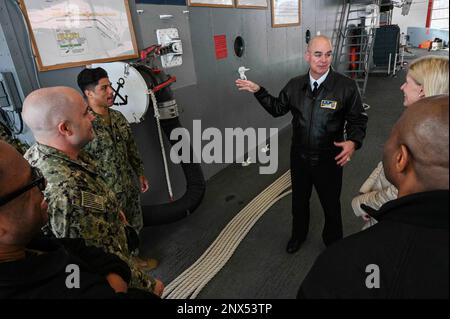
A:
(395, 63)
(389, 65)
(403, 56)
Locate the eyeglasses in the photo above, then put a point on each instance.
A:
(37, 180)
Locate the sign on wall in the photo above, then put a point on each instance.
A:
(69, 33)
(285, 13)
(220, 46)
(211, 3)
(252, 4)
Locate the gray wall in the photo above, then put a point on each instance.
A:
(417, 16)
(205, 89)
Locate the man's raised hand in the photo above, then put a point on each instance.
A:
(245, 85)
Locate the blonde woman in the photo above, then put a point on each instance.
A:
(426, 76)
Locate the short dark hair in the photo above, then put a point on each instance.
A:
(88, 78)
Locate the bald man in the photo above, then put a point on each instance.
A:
(32, 266)
(80, 203)
(324, 104)
(405, 255)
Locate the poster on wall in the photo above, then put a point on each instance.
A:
(69, 33)
(254, 4)
(285, 13)
(211, 3)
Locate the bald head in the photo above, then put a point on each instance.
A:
(319, 39)
(422, 132)
(43, 109)
(319, 56)
(60, 118)
(424, 129)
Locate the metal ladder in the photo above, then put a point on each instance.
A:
(355, 39)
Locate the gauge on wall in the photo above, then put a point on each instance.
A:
(169, 39)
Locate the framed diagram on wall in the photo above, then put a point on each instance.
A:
(69, 33)
(211, 3)
(285, 13)
(254, 4)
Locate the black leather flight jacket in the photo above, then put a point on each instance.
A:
(319, 121)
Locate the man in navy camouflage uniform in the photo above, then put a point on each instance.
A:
(80, 203)
(113, 146)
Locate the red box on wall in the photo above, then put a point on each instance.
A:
(220, 44)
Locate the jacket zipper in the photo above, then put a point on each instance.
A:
(310, 122)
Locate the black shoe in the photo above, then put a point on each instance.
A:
(293, 245)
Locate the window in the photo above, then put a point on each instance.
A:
(439, 14)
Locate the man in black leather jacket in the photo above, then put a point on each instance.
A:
(324, 105)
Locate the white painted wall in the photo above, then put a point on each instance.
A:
(417, 16)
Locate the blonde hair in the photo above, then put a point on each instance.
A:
(432, 73)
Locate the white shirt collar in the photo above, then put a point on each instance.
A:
(319, 81)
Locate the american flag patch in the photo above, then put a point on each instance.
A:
(90, 200)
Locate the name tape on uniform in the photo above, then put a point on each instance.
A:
(328, 104)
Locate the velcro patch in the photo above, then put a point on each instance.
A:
(90, 200)
(328, 104)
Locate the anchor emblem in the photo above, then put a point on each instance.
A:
(124, 100)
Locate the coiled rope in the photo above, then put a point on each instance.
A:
(195, 278)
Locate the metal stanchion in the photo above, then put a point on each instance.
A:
(389, 65)
(395, 63)
(402, 57)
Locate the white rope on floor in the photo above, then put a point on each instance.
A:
(190, 283)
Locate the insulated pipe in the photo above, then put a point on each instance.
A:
(195, 189)
(195, 181)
